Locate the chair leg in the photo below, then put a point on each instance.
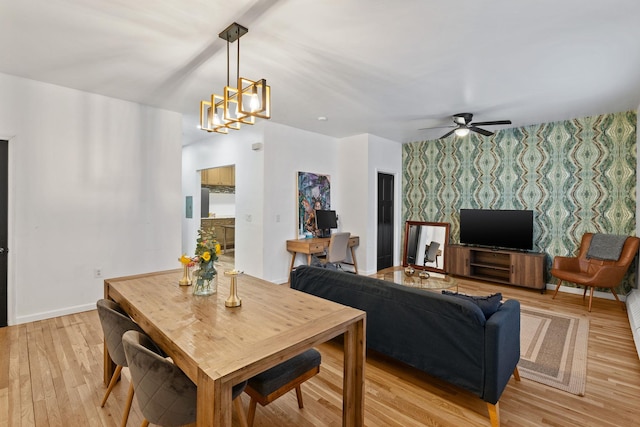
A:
(299, 396)
(516, 374)
(613, 291)
(584, 294)
(557, 288)
(494, 414)
(252, 412)
(127, 408)
(112, 383)
(145, 423)
(590, 297)
(237, 402)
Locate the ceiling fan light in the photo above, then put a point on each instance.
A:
(462, 132)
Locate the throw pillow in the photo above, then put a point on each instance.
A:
(488, 304)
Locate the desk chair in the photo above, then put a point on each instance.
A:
(337, 251)
(115, 322)
(165, 394)
(431, 254)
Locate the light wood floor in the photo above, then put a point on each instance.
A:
(51, 375)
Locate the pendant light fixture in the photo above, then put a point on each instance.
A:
(237, 105)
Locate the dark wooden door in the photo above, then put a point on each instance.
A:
(385, 221)
(4, 228)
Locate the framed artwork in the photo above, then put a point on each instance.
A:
(314, 192)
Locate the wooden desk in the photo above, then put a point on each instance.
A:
(317, 245)
(218, 347)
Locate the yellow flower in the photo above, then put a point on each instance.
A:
(184, 259)
(217, 248)
(206, 256)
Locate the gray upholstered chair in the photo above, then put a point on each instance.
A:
(337, 251)
(115, 322)
(165, 394)
(267, 386)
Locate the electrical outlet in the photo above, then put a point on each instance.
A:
(97, 272)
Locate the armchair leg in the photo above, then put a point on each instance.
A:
(590, 297)
(494, 414)
(557, 288)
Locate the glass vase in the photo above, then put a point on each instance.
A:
(205, 286)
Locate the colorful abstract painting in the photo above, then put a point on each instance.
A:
(314, 192)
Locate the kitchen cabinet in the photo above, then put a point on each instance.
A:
(219, 176)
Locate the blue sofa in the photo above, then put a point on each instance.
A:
(443, 335)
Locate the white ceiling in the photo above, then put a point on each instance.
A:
(387, 68)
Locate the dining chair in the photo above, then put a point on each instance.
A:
(166, 396)
(269, 385)
(115, 322)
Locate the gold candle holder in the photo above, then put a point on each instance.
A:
(186, 280)
(233, 300)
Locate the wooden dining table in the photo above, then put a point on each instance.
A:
(218, 347)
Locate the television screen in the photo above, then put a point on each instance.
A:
(510, 229)
(326, 219)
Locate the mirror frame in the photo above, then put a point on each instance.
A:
(444, 244)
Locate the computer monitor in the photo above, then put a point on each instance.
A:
(325, 221)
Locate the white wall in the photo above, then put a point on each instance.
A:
(223, 205)
(361, 157)
(266, 189)
(221, 150)
(385, 156)
(94, 183)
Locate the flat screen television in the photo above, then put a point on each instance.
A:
(325, 220)
(509, 229)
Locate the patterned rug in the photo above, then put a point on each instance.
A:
(553, 349)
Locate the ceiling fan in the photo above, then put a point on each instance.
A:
(463, 125)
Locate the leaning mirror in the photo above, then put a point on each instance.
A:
(425, 245)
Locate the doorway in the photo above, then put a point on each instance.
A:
(385, 221)
(218, 205)
(4, 228)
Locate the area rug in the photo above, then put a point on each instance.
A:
(553, 349)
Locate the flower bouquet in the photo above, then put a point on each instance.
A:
(207, 250)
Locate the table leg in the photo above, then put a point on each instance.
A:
(355, 263)
(293, 261)
(213, 402)
(353, 381)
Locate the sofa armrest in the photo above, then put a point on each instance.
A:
(502, 349)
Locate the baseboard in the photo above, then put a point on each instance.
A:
(55, 313)
(580, 291)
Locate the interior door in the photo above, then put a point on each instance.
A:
(4, 227)
(385, 221)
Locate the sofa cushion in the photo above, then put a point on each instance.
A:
(488, 304)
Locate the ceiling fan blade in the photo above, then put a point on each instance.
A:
(480, 131)
(495, 122)
(447, 134)
(438, 127)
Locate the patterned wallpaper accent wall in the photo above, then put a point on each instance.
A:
(577, 176)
